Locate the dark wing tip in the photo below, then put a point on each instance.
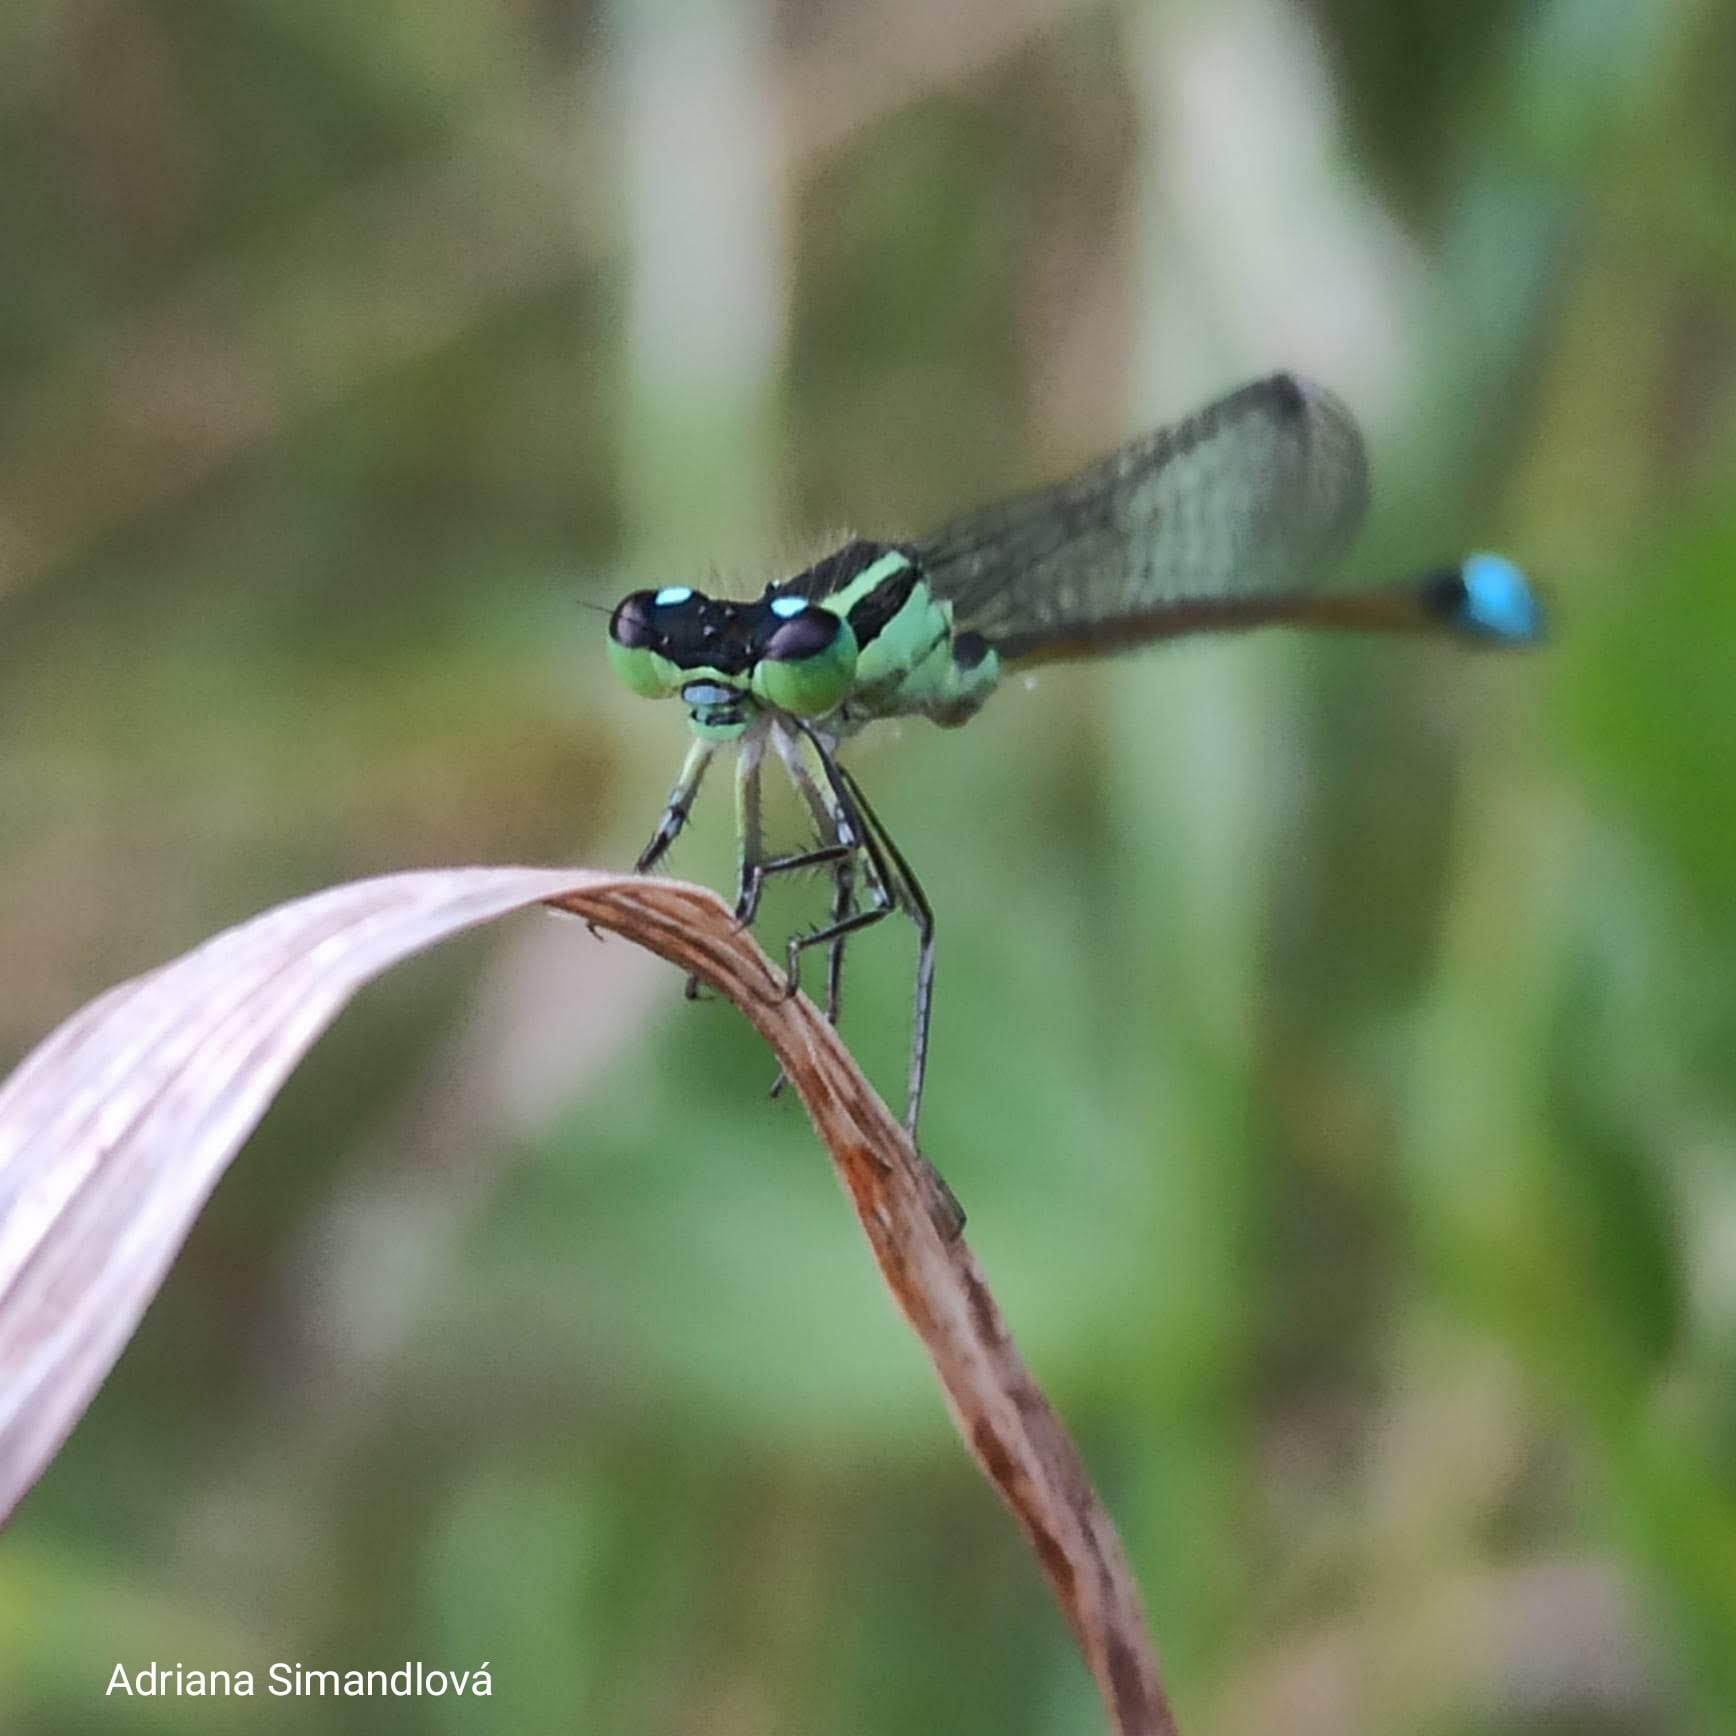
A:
(1286, 393)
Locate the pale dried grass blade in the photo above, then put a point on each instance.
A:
(114, 1132)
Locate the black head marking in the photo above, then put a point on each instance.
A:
(692, 630)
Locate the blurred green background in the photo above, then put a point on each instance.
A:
(1334, 1041)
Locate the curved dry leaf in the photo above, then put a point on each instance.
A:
(114, 1132)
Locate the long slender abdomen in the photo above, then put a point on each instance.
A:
(1484, 600)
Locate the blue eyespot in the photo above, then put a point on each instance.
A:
(670, 595)
(786, 608)
(1499, 600)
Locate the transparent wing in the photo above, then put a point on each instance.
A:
(1211, 522)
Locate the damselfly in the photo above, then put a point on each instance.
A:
(1227, 519)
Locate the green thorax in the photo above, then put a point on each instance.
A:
(857, 636)
(909, 660)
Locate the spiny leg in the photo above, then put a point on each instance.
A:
(853, 831)
(753, 868)
(843, 896)
(749, 836)
(679, 805)
(827, 820)
(907, 890)
(948, 1215)
(853, 817)
(748, 840)
(898, 885)
(892, 881)
(675, 812)
(756, 870)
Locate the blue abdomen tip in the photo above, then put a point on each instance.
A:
(1499, 602)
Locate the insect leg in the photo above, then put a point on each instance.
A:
(897, 883)
(852, 831)
(749, 839)
(907, 890)
(890, 883)
(829, 822)
(944, 1208)
(753, 868)
(843, 896)
(679, 805)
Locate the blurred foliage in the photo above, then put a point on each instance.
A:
(1333, 1042)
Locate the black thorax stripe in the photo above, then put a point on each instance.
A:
(832, 577)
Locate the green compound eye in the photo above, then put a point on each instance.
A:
(636, 664)
(808, 664)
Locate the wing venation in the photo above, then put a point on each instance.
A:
(1253, 498)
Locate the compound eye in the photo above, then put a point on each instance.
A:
(633, 643)
(630, 625)
(808, 663)
(803, 635)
